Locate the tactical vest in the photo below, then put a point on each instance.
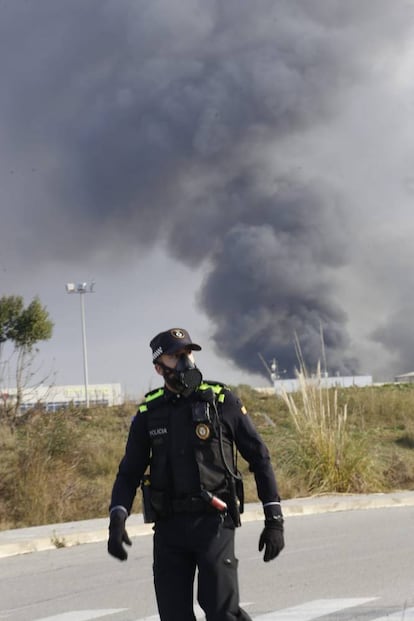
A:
(209, 448)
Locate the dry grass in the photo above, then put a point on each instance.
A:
(61, 466)
(330, 456)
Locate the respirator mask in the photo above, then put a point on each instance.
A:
(184, 378)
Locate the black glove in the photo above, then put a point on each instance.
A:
(272, 536)
(118, 534)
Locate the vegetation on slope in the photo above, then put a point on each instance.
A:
(60, 466)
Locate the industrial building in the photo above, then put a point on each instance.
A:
(56, 397)
(292, 385)
(405, 378)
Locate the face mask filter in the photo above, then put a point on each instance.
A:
(185, 378)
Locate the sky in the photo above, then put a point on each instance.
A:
(242, 170)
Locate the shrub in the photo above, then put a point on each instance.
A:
(324, 452)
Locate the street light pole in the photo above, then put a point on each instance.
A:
(85, 354)
(82, 288)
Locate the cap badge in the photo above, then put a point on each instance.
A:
(179, 334)
(202, 431)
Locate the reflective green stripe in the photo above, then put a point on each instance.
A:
(155, 395)
(217, 388)
(150, 397)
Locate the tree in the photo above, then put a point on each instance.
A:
(23, 328)
(10, 309)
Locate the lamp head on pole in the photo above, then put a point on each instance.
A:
(81, 287)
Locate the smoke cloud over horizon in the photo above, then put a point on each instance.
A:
(267, 145)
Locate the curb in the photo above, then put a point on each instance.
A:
(54, 536)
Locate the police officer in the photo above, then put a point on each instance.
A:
(186, 434)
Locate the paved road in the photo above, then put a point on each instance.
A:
(338, 564)
(51, 536)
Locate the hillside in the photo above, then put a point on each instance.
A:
(61, 466)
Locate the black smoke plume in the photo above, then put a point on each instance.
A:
(180, 122)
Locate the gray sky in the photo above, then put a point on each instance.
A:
(244, 170)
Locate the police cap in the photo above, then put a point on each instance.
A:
(170, 341)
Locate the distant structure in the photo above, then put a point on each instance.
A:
(405, 378)
(292, 385)
(53, 398)
(323, 380)
(272, 369)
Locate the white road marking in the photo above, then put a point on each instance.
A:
(82, 615)
(198, 611)
(313, 609)
(304, 612)
(405, 614)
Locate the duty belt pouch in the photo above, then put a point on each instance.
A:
(147, 508)
(160, 504)
(233, 504)
(240, 492)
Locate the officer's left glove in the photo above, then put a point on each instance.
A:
(272, 536)
(118, 534)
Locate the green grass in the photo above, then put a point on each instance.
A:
(61, 466)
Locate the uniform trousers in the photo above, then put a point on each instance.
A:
(184, 543)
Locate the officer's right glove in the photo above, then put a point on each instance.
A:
(272, 535)
(118, 534)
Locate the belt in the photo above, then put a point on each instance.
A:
(190, 504)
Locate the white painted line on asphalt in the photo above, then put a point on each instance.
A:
(198, 611)
(405, 614)
(304, 612)
(313, 609)
(82, 615)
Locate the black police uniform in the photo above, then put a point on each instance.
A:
(188, 444)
